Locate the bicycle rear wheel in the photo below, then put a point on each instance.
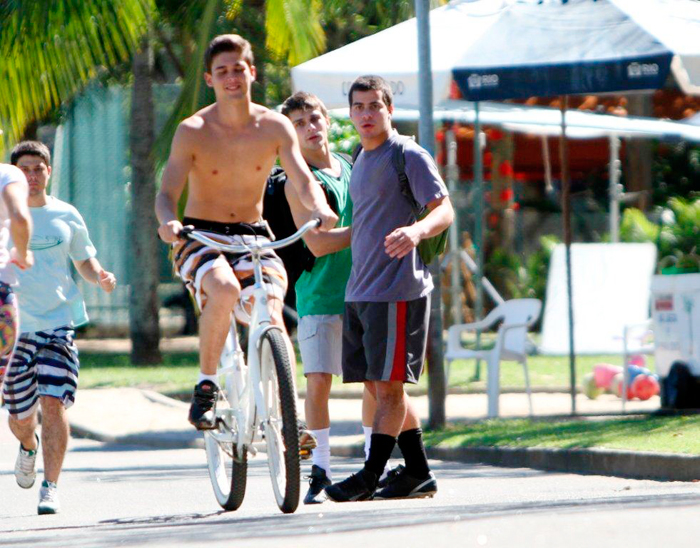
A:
(281, 431)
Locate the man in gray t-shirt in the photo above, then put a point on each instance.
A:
(387, 299)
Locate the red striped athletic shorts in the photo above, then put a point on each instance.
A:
(385, 341)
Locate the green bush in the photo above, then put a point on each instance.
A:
(676, 235)
(515, 278)
(342, 136)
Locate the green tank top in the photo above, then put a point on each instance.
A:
(322, 290)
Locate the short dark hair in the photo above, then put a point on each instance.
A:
(303, 101)
(369, 83)
(30, 148)
(228, 42)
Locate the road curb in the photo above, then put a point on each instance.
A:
(625, 464)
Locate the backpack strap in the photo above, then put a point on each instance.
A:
(356, 153)
(399, 160)
(349, 159)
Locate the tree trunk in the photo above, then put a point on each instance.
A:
(143, 306)
(437, 383)
(639, 154)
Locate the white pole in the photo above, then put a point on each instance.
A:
(614, 189)
(452, 179)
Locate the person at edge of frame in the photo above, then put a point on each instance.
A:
(15, 221)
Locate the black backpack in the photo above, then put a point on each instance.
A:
(296, 257)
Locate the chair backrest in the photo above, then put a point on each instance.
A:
(517, 311)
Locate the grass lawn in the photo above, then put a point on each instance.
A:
(658, 434)
(178, 372)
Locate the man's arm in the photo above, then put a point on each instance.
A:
(15, 197)
(91, 270)
(173, 183)
(310, 195)
(401, 241)
(319, 243)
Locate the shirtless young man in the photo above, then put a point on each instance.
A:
(225, 151)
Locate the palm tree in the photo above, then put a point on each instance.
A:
(50, 49)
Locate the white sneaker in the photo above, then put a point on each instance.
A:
(25, 466)
(48, 498)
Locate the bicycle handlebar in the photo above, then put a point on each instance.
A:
(191, 232)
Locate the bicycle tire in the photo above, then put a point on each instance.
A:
(282, 444)
(229, 483)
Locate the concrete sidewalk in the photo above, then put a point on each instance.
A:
(133, 416)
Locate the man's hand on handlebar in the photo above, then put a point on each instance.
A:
(170, 232)
(327, 216)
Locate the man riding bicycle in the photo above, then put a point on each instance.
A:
(225, 152)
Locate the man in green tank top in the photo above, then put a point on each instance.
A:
(320, 292)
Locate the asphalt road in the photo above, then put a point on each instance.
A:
(133, 496)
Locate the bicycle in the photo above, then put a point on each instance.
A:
(257, 399)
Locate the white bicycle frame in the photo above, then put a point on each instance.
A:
(243, 378)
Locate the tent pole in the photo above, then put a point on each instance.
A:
(613, 188)
(547, 165)
(566, 211)
(478, 205)
(437, 385)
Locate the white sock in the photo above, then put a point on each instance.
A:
(368, 439)
(211, 378)
(321, 455)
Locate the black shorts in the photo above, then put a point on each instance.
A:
(385, 341)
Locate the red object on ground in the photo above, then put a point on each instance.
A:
(645, 386)
(617, 383)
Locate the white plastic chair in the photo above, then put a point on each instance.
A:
(516, 316)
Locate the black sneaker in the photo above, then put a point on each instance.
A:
(360, 486)
(203, 408)
(318, 481)
(404, 486)
(390, 476)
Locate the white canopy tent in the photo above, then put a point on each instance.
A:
(673, 25)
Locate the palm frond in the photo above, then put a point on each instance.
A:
(293, 29)
(49, 49)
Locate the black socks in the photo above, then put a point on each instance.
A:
(380, 448)
(413, 451)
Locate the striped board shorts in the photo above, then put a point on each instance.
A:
(45, 363)
(192, 260)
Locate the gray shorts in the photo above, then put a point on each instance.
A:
(320, 341)
(385, 341)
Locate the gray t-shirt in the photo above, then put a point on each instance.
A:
(378, 209)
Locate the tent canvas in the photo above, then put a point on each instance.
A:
(611, 288)
(640, 42)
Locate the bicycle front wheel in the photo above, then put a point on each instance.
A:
(281, 431)
(228, 468)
